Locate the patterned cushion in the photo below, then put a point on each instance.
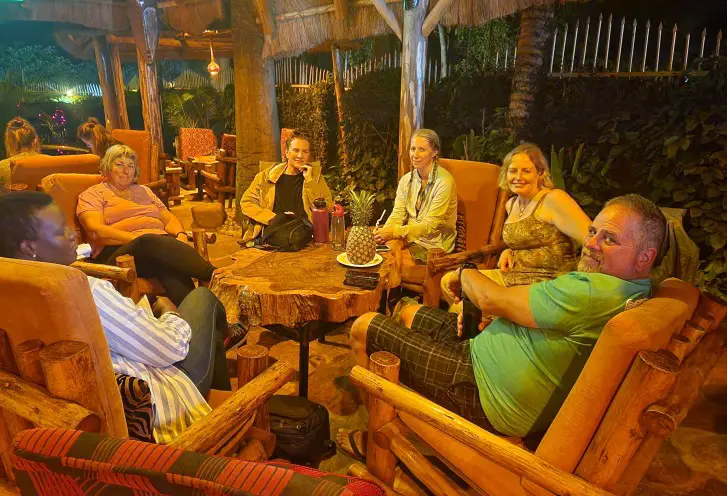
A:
(61, 461)
(136, 397)
(196, 142)
(460, 242)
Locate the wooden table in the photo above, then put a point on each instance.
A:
(296, 292)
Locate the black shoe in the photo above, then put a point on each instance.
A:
(237, 336)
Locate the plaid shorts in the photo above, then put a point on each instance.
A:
(434, 361)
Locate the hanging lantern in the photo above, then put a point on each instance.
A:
(213, 68)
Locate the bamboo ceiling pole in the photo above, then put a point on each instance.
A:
(205, 433)
(413, 67)
(252, 360)
(106, 80)
(27, 358)
(393, 437)
(119, 89)
(381, 461)
(649, 379)
(493, 447)
(70, 374)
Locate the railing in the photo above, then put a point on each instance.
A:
(50, 87)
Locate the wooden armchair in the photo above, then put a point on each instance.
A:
(639, 383)
(56, 370)
(32, 169)
(482, 204)
(65, 188)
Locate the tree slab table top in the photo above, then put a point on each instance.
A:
(264, 288)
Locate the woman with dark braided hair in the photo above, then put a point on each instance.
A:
(425, 209)
(96, 137)
(20, 140)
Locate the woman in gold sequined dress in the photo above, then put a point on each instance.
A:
(543, 226)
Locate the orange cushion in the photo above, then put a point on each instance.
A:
(31, 169)
(477, 193)
(65, 188)
(51, 303)
(140, 142)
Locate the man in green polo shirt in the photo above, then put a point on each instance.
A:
(516, 373)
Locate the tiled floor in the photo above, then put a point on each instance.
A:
(693, 462)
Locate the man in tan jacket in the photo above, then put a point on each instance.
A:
(288, 188)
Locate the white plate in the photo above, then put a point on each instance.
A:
(343, 260)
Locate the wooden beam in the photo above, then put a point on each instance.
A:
(119, 87)
(323, 9)
(390, 18)
(413, 67)
(511, 457)
(106, 81)
(150, 101)
(434, 16)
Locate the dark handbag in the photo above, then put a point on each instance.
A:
(302, 430)
(287, 233)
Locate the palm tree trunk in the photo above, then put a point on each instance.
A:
(529, 72)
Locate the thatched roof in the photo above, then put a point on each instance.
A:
(303, 24)
(191, 16)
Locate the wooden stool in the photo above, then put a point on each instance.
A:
(252, 360)
(209, 215)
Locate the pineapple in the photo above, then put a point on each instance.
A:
(361, 247)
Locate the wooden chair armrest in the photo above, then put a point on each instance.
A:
(101, 271)
(36, 404)
(161, 183)
(493, 447)
(226, 419)
(453, 260)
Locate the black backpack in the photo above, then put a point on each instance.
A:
(302, 430)
(287, 233)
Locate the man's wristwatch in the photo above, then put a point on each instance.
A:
(466, 265)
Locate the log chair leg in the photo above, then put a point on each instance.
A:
(252, 360)
(381, 462)
(432, 280)
(304, 358)
(128, 289)
(199, 239)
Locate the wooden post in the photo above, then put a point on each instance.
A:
(713, 306)
(119, 89)
(379, 461)
(620, 433)
(413, 65)
(27, 358)
(256, 111)
(339, 88)
(70, 374)
(128, 289)
(252, 360)
(150, 105)
(106, 79)
(432, 280)
(392, 436)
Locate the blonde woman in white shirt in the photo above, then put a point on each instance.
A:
(425, 209)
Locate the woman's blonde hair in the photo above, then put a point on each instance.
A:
(20, 136)
(93, 131)
(113, 154)
(536, 157)
(431, 136)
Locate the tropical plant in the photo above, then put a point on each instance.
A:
(197, 108)
(491, 146)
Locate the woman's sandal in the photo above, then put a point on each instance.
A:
(355, 452)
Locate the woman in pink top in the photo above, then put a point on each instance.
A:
(123, 218)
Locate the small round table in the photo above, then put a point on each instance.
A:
(295, 292)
